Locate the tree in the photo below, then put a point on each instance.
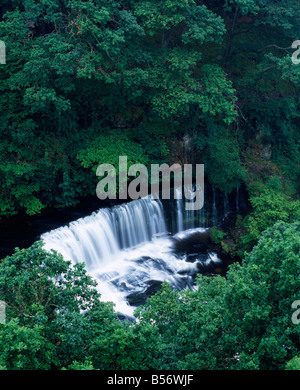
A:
(293, 364)
(51, 307)
(76, 70)
(262, 292)
(24, 348)
(270, 207)
(223, 164)
(241, 322)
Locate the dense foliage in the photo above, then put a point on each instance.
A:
(219, 73)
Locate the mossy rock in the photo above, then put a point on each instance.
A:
(228, 247)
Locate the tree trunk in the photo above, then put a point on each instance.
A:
(231, 34)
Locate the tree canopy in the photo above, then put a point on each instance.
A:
(219, 72)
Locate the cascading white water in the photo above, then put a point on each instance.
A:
(226, 205)
(127, 248)
(96, 239)
(188, 219)
(179, 206)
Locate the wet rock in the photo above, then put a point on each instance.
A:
(154, 286)
(188, 271)
(123, 287)
(143, 259)
(184, 279)
(218, 270)
(266, 152)
(193, 257)
(228, 246)
(196, 242)
(123, 317)
(140, 297)
(156, 263)
(205, 267)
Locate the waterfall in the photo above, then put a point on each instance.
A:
(179, 206)
(78, 242)
(98, 238)
(188, 219)
(129, 248)
(138, 221)
(226, 204)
